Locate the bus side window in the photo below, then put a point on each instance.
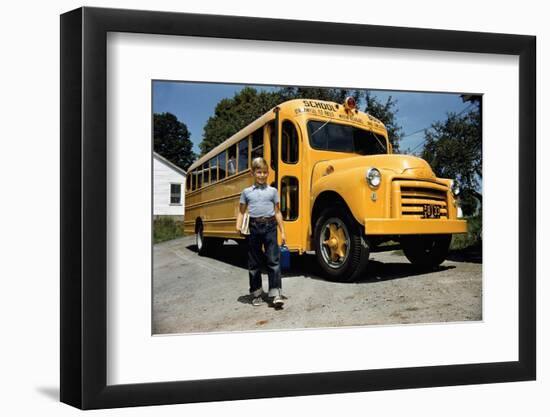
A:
(188, 182)
(289, 143)
(199, 177)
(205, 172)
(258, 143)
(214, 170)
(289, 198)
(221, 165)
(232, 160)
(243, 155)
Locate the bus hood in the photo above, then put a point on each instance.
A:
(404, 165)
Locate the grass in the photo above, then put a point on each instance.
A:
(166, 228)
(470, 239)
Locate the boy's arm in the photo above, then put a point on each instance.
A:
(242, 210)
(280, 223)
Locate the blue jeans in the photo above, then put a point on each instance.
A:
(263, 234)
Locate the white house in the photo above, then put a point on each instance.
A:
(168, 188)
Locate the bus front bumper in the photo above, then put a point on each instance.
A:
(414, 227)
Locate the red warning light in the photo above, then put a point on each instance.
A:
(349, 103)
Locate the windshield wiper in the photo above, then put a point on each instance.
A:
(319, 128)
(381, 145)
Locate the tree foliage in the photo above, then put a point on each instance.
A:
(385, 112)
(171, 140)
(233, 114)
(454, 150)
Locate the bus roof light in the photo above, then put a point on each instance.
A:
(349, 103)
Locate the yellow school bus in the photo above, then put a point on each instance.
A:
(342, 190)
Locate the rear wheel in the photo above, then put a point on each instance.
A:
(206, 245)
(202, 245)
(340, 247)
(426, 251)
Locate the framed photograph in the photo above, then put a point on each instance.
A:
(337, 155)
(400, 169)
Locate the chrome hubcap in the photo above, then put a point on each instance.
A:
(334, 242)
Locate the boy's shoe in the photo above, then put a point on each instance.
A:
(257, 301)
(278, 301)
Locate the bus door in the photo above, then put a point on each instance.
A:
(288, 178)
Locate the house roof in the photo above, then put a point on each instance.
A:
(165, 161)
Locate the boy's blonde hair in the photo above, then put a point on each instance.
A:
(258, 163)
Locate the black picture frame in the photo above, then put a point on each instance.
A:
(84, 207)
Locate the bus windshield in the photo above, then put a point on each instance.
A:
(335, 137)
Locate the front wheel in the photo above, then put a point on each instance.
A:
(340, 247)
(427, 251)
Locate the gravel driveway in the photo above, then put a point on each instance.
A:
(193, 294)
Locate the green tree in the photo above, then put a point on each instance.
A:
(232, 114)
(385, 112)
(171, 140)
(454, 150)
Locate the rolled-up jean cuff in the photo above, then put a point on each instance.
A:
(257, 292)
(273, 292)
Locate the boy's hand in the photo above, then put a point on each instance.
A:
(283, 238)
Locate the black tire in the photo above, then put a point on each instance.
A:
(347, 268)
(207, 245)
(426, 251)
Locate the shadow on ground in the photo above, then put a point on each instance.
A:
(49, 392)
(376, 271)
(473, 254)
(307, 266)
(232, 254)
(247, 299)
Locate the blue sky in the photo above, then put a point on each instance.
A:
(194, 103)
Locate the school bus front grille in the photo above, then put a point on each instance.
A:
(409, 199)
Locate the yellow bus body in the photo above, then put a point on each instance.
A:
(397, 207)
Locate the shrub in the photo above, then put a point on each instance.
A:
(472, 238)
(166, 228)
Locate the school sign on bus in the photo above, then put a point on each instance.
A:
(342, 189)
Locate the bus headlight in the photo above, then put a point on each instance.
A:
(455, 187)
(374, 177)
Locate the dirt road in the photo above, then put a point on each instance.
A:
(193, 294)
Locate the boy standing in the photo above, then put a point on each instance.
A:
(262, 202)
